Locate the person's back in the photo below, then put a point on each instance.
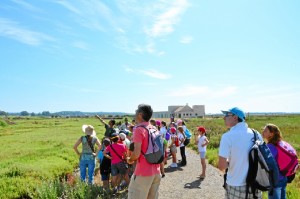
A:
(234, 152)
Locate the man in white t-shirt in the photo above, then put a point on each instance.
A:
(233, 153)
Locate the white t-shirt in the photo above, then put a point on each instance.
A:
(201, 140)
(235, 146)
(181, 139)
(163, 131)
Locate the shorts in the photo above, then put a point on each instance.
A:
(202, 155)
(237, 192)
(173, 149)
(119, 168)
(105, 176)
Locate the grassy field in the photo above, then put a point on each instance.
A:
(36, 150)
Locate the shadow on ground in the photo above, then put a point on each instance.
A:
(193, 185)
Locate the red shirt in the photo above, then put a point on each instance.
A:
(143, 168)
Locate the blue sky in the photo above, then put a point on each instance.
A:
(111, 55)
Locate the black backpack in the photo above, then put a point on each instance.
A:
(263, 169)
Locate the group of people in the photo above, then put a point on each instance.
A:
(122, 153)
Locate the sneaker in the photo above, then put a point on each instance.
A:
(163, 175)
(173, 165)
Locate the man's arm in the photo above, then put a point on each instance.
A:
(101, 120)
(223, 164)
(136, 152)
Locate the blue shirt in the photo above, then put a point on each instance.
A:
(274, 152)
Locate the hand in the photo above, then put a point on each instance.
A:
(129, 161)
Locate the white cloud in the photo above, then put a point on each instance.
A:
(26, 5)
(155, 74)
(13, 30)
(186, 39)
(164, 23)
(92, 14)
(150, 73)
(69, 6)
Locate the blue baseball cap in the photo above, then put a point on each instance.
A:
(236, 111)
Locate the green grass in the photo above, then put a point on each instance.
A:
(35, 152)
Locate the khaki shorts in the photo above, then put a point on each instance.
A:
(173, 149)
(144, 187)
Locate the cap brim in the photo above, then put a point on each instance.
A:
(224, 112)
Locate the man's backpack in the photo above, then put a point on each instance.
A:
(287, 160)
(263, 169)
(155, 149)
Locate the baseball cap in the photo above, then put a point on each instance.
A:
(236, 111)
(201, 129)
(173, 129)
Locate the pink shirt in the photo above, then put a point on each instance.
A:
(143, 168)
(119, 148)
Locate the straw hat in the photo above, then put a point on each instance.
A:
(88, 129)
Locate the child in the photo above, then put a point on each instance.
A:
(173, 146)
(105, 165)
(182, 137)
(202, 141)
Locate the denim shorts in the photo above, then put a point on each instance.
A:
(119, 168)
(105, 177)
(202, 155)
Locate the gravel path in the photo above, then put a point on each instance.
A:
(183, 182)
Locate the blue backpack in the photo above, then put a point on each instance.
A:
(155, 149)
(263, 170)
(188, 133)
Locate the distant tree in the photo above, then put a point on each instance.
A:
(24, 113)
(3, 113)
(32, 114)
(46, 113)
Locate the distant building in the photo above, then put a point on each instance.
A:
(181, 112)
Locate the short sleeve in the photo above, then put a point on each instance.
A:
(224, 149)
(138, 135)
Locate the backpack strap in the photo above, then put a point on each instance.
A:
(254, 162)
(116, 152)
(89, 142)
(148, 136)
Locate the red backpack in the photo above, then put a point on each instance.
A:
(287, 158)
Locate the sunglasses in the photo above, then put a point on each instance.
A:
(229, 114)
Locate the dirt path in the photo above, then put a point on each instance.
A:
(184, 183)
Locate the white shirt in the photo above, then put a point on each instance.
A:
(235, 146)
(201, 140)
(181, 139)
